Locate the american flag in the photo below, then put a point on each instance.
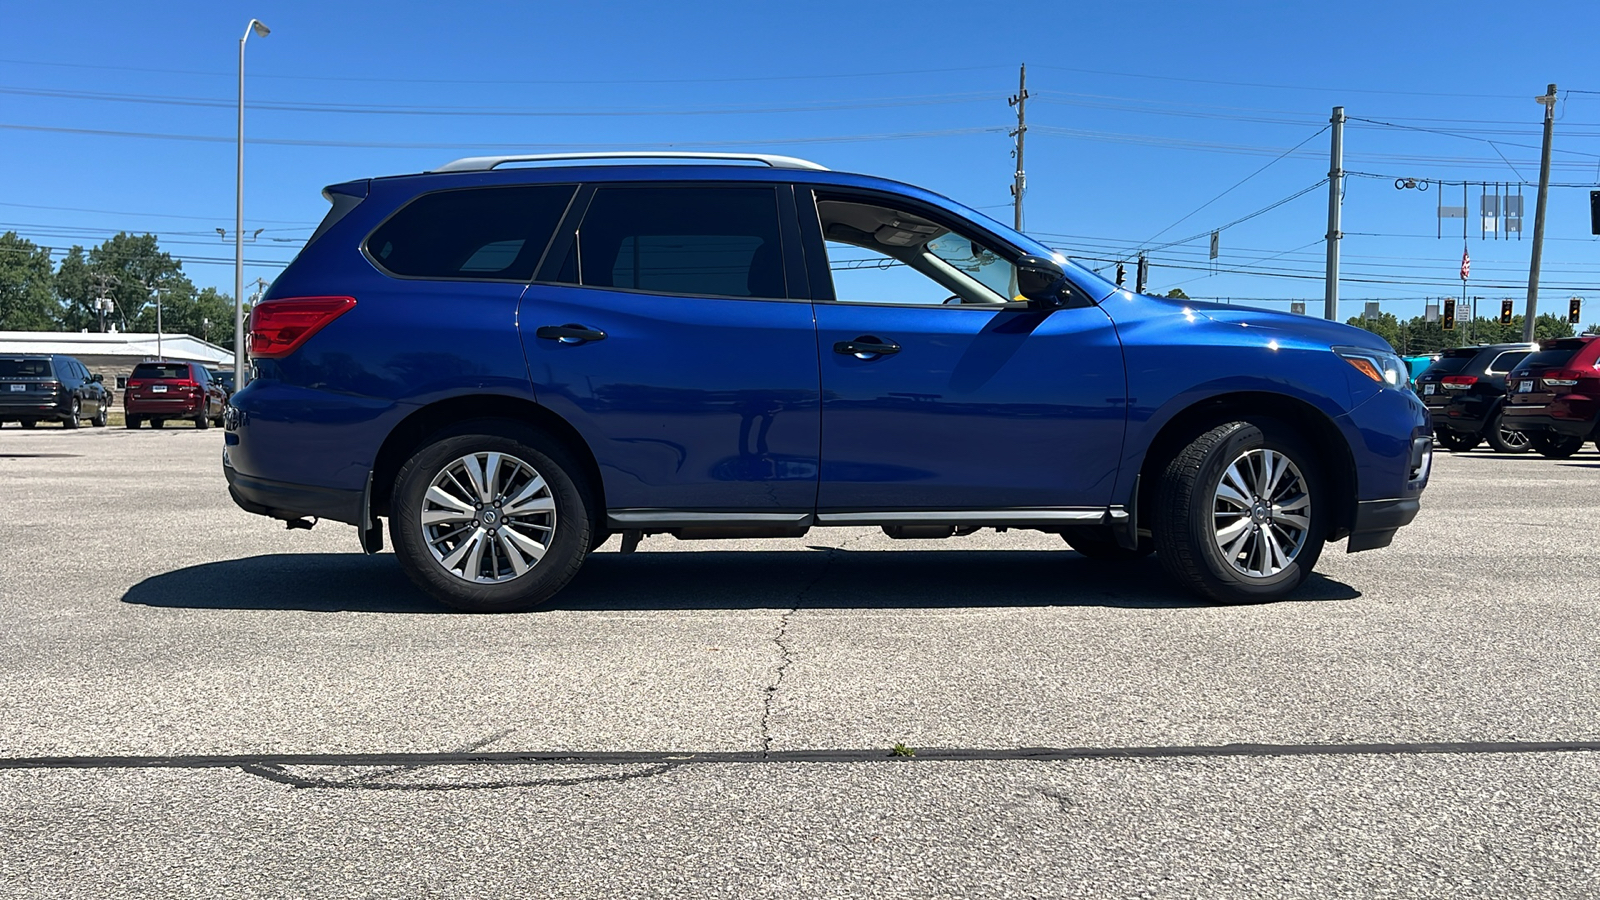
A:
(1466, 264)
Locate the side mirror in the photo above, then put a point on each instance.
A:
(1041, 280)
(97, 378)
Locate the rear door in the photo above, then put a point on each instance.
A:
(669, 328)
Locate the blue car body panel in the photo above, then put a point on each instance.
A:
(699, 403)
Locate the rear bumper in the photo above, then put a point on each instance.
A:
(1570, 414)
(174, 408)
(33, 409)
(292, 501)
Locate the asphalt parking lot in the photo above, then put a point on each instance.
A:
(195, 702)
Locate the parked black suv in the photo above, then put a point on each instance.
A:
(1465, 392)
(50, 387)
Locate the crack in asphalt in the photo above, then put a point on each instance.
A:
(281, 775)
(780, 639)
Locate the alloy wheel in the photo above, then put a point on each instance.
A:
(1261, 513)
(1513, 440)
(488, 517)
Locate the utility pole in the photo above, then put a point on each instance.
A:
(1020, 182)
(1330, 291)
(1549, 102)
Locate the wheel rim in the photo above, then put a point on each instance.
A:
(488, 518)
(1512, 439)
(1261, 513)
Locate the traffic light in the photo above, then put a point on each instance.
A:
(1505, 312)
(1449, 315)
(1142, 275)
(1594, 212)
(1574, 310)
(1122, 275)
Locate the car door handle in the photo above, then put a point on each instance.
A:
(866, 346)
(570, 334)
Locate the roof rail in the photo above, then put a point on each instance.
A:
(486, 163)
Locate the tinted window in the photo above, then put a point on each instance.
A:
(25, 368)
(1448, 365)
(479, 233)
(707, 241)
(1556, 356)
(1507, 361)
(160, 370)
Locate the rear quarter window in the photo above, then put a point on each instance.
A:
(472, 234)
(1506, 361)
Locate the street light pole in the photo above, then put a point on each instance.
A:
(238, 220)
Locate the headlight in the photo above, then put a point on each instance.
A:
(1378, 365)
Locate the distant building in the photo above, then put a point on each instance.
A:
(114, 355)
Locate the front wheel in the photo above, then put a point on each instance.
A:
(1550, 445)
(1241, 513)
(1503, 438)
(491, 521)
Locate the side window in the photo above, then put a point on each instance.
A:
(878, 254)
(490, 234)
(706, 241)
(1507, 361)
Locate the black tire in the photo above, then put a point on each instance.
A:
(565, 549)
(1504, 440)
(27, 423)
(1185, 521)
(1550, 445)
(202, 421)
(1455, 441)
(158, 423)
(132, 421)
(74, 414)
(101, 416)
(1098, 544)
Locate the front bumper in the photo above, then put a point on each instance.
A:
(1376, 521)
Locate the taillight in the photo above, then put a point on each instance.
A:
(49, 385)
(1459, 382)
(1562, 378)
(279, 327)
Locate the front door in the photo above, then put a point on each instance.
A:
(663, 330)
(941, 389)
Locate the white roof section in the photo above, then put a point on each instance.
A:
(134, 345)
(486, 163)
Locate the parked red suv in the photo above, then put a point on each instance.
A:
(159, 391)
(1554, 395)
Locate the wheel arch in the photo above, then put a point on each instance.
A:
(1325, 439)
(418, 428)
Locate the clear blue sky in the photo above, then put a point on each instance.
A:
(1140, 113)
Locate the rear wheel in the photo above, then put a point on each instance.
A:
(1456, 441)
(1098, 544)
(132, 421)
(158, 423)
(1240, 513)
(491, 521)
(1504, 439)
(101, 416)
(1555, 446)
(28, 423)
(74, 415)
(202, 421)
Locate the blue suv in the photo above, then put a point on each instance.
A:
(513, 358)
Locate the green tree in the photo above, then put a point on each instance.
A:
(131, 269)
(1177, 294)
(27, 286)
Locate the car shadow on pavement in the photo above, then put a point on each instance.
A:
(717, 579)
